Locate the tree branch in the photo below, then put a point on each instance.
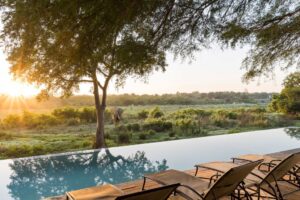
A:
(278, 19)
(101, 71)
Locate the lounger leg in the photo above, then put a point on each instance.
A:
(144, 183)
(197, 168)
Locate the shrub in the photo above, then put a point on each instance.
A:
(143, 136)
(184, 124)
(29, 119)
(151, 132)
(172, 134)
(72, 122)
(66, 113)
(143, 114)
(156, 113)
(232, 115)
(157, 125)
(48, 120)
(121, 128)
(12, 121)
(107, 116)
(5, 136)
(88, 115)
(15, 151)
(133, 127)
(124, 138)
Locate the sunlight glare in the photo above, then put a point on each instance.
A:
(17, 89)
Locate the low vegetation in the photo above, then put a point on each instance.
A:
(69, 128)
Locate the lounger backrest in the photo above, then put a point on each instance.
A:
(160, 193)
(282, 168)
(230, 180)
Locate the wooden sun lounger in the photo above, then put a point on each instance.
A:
(195, 188)
(266, 181)
(103, 192)
(111, 192)
(270, 160)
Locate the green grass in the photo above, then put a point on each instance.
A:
(131, 110)
(23, 142)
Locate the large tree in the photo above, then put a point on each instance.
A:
(60, 44)
(288, 101)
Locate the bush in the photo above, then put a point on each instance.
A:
(5, 136)
(72, 122)
(156, 113)
(48, 120)
(151, 132)
(133, 127)
(143, 114)
(29, 119)
(172, 134)
(184, 124)
(121, 128)
(12, 121)
(88, 115)
(157, 125)
(15, 151)
(66, 113)
(143, 136)
(124, 138)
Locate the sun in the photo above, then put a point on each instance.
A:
(18, 89)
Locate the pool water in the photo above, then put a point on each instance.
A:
(42, 176)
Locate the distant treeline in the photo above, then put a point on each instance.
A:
(194, 98)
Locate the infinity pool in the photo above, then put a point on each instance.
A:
(42, 176)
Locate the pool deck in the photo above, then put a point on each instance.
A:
(136, 185)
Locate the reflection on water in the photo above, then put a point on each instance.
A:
(40, 177)
(294, 132)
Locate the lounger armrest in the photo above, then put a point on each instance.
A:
(240, 159)
(192, 189)
(268, 164)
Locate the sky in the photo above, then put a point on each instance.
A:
(211, 70)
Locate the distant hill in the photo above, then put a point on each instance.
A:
(194, 98)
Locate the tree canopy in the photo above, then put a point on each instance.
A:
(58, 44)
(288, 101)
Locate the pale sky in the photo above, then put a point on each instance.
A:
(211, 70)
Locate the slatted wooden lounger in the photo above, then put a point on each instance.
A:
(193, 188)
(111, 192)
(270, 182)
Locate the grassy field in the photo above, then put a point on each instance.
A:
(175, 122)
(135, 109)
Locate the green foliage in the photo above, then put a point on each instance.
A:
(12, 121)
(177, 123)
(88, 115)
(172, 134)
(124, 137)
(292, 80)
(288, 101)
(157, 125)
(143, 136)
(66, 113)
(151, 132)
(133, 127)
(143, 114)
(5, 136)
(194, 98)
(156, 113)
(72, 122)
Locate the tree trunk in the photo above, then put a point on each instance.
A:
(100, 109)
